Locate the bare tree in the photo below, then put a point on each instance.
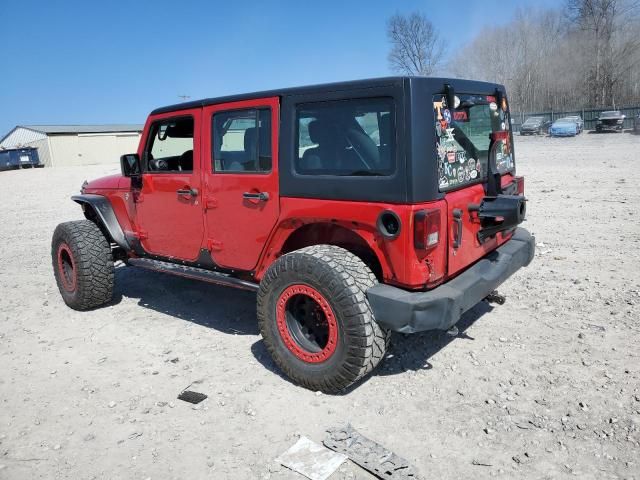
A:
(583, 57)
(602, 25)
(416, 48)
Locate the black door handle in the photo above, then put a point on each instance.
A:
(260, 196)
(457, 219)
(187, 192)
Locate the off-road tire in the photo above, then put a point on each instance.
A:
(342, 279)
(82, 264)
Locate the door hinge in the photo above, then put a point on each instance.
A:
(141, 235)
(214, 245)
(210, 203)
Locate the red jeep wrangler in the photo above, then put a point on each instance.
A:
(352, 209)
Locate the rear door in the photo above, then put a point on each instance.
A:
(240, 172)
(463, 138)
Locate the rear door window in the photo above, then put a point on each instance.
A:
(463, 139)
(346, 138)
(242, 141)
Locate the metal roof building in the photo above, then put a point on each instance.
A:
(69, 145)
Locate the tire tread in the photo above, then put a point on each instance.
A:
(348, 278)
(93, 260)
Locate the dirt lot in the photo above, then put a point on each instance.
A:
(546, 386)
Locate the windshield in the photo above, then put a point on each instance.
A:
(463, 138)
(565, 120)
(533, 121)
(610, 114)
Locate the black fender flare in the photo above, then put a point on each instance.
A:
(107, 217)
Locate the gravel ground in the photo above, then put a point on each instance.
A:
(545, 386)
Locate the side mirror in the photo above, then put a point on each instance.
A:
(130, 165)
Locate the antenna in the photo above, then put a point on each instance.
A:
(184, 97)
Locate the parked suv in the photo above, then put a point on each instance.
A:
(352, 209)
(610, 121)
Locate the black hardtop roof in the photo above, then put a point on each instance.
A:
(470, 86)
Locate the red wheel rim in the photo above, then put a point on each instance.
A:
(66, 268)
(306, 323)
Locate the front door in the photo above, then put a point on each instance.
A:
(240, 164)
(169, 205)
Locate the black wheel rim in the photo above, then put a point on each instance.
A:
(307, 323)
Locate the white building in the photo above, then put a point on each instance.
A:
(68, 145)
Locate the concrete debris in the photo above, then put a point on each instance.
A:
(370, 455)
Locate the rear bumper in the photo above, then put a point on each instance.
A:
(442, 307)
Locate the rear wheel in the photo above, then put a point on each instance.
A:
(316, 320)
(82, 264)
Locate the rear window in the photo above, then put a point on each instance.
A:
(346, 138)
(463, 138)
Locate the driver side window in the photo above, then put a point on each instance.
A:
(170, 146)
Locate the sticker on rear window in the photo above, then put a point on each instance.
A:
(504, 158)
(463, 138)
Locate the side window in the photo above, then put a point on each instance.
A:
(170, 146)
(346, 138)
(242, 141)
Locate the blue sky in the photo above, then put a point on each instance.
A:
(80, 62)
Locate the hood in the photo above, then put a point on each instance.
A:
(610, 116)
(110, 182)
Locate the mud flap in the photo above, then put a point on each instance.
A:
(369, 455)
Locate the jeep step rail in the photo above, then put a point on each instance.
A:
(194, 273)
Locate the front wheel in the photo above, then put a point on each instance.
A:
(82, 264)
(315, 318)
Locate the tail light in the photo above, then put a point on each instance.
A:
(426, 230)
(519, 184)
(500, 135)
